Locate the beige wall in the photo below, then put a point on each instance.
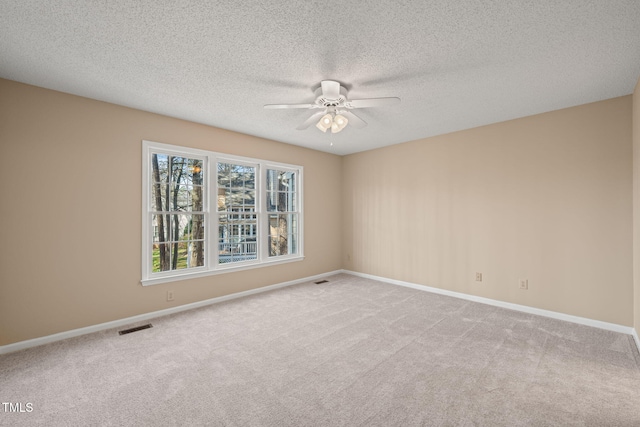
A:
(636, 207)
(71, 213)
(546, 198)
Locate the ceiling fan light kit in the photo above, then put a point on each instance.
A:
(339, 123)
(332, 99)
(325, 122)
(333, 121)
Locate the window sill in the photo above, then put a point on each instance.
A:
(220, 270)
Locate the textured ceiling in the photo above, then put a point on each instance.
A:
(455, 64)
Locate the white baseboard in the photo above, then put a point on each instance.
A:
(9, 348)
(523, 308)
(21, 345)
(636, 339)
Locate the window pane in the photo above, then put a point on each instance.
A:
(286, 201)
(250, 200)
(161, 257)
(272, 201)
(161, 228)
(273, 225)
(176, 183)
(195, 171)
(236, 198)
(273, 245)
(180, 198)
(224, 252)
(248, 248)
(195, 254)
(292, 182)
(159, 163)
(152, 198)
(283, 231)
(158, 197)
(196, 228)
(281, 191)
(237, 174)
(180, 227)
(237, 237)
(250, 179)
(223, 175)
(282, 201)
(181, 255)
(286, 180)
(277, 235)
(187, 193)
(278, 245)
(222, 199)
(236, 249)
(293, 239)
(164, 227)
(178, 168)
(197, 201)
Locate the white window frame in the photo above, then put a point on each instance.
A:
(210, 160)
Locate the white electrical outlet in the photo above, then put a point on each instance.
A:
(478, 277)
(169, 295)
(524, 284)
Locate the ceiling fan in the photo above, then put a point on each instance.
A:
(335, 108)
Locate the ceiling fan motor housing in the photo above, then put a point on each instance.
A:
(325, 101)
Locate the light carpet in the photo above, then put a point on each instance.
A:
(350, 352)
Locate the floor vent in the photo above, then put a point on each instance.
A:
(320, 282)
(136, 329)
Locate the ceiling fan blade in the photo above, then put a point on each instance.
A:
(330, 89)
(354, 120)
(372, 102)
(314, 118)
(283, 106)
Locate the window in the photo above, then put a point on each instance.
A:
(237, 213)
(206, 213)
(176, 212)
(282, 212)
